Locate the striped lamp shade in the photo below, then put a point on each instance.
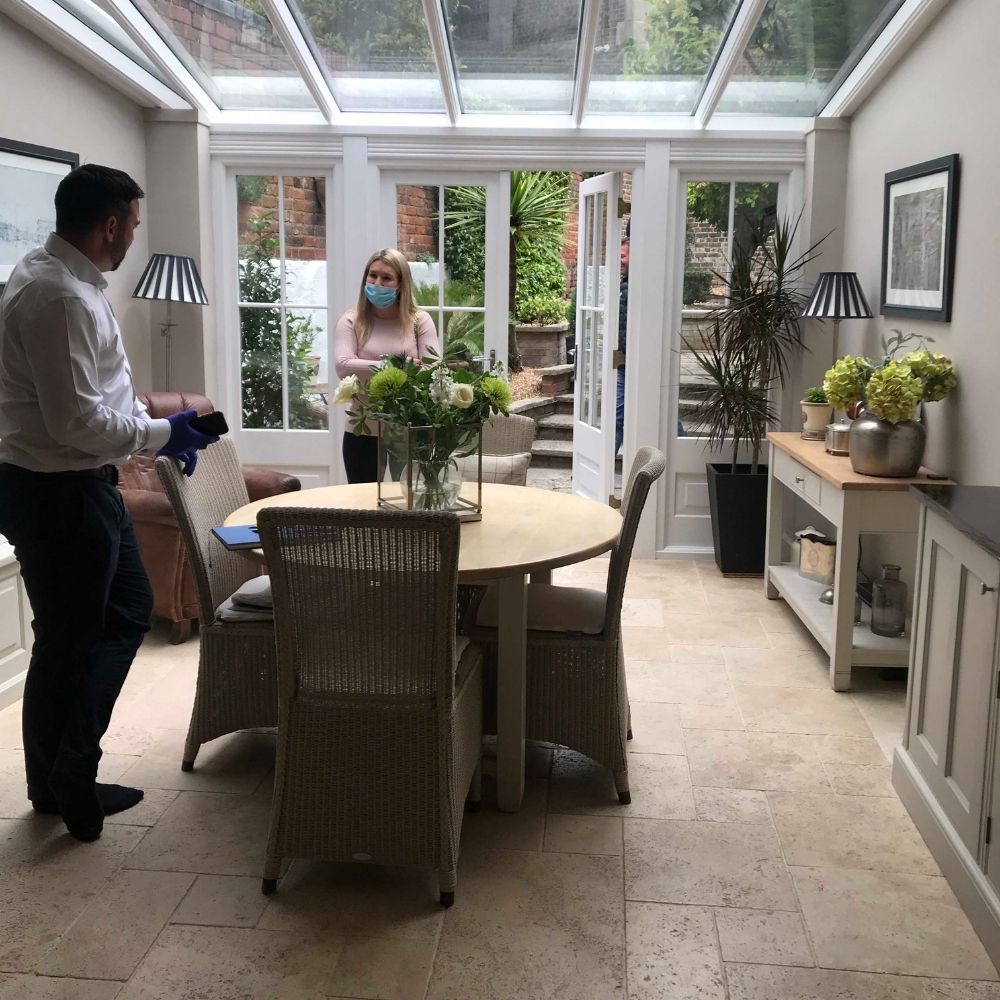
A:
(171, 278)
(838, 295)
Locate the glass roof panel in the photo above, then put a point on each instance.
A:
(654, 57)
(104, 25)
(376, 53)
(800, 51)
(233, 51)
(514, 55)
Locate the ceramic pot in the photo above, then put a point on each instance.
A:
(815, 417)
(880, 448)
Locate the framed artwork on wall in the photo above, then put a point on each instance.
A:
(29, 176)
(918, 239)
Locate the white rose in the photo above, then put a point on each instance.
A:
(347, 390)
(462, 396)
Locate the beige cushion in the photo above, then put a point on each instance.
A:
(511, 470)
(467, 655)
(553, 609)
(252, 602)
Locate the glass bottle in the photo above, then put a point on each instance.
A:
(889, 603)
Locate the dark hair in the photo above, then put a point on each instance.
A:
(89, 195)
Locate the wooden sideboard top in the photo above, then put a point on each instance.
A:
(836, 469)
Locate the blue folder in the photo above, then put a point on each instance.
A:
(239, 536)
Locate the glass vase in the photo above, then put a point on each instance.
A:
(889, 603)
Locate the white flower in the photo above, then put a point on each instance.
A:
(462, 396)
(349, 388)
(442, 387)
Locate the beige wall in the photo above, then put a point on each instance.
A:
(48, 100)
(941, 99)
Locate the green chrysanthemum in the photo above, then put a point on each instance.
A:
(844, 383)
(386, 382)
(894, 393)
(497, 392)
(935, 371)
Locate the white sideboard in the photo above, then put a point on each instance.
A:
(15, 627)
(947, 771)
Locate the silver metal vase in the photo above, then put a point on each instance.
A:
(880, 448)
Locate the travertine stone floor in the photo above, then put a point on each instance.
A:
(764, 855)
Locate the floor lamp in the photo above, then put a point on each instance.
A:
(170, 278)
(837, 295)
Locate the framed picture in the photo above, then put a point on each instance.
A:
(29, 176)
(918, 239)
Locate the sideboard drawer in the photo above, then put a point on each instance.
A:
(796, 476)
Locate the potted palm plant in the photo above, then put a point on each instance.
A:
(745, 349)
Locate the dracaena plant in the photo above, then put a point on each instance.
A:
(747, 345)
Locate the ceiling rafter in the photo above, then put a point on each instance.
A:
(132, 22)
(85, 46)
(739, 35)
(437, 29)
(300, 52)
(584, 59)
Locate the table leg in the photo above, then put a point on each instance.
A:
(511, 655)
(541, 576)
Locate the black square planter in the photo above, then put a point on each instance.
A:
(738, 502)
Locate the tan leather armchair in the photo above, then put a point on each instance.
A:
(156, 528)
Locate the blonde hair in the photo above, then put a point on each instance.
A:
(407, 306)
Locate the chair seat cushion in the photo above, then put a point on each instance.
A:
(252, 602)
(552, 609)
(467, 655)
(511, 470)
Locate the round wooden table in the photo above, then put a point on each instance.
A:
(522, 531)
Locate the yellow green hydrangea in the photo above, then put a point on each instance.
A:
(844, 383)
(497, 392)
(935, 371)
(385, 382)
(894, 393)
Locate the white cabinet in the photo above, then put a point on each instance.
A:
(16, 635)
(947, 771)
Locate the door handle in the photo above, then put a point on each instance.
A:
(799, 479)
(988, 590)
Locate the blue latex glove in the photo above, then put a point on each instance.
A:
(189, 460)
(183, 437)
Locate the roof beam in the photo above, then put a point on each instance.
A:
(72, 37)
(141, 32)
(300, 52)
(585, 58)
(437, 29)
(885, 51)
(736, 41)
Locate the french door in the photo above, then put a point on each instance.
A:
(596, 338)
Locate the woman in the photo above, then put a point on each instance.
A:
(386, 321)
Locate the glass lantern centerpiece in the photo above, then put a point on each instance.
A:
(429, 415)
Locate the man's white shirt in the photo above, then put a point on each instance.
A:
(66, 395)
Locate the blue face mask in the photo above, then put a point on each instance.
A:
(380, 296)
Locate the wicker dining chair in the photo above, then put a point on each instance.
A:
(380, 729)
(237, 667)
(575, 687)
(507, 444)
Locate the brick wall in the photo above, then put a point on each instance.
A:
(305, 216)
(416, 221)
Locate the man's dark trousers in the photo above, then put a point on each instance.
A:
(91, 601)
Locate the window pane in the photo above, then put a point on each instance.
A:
(706, 243)
(465, 245)
(654, 57)
(798, 49)
(417, 222)
(232, 49)
(308, 372)
(377, 54)
(305, 240)
(514, 55)
(463, 333)
(260, 357)
(587, 349)
(257, 212)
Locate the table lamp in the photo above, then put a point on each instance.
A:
(170, 278)
(838, 295)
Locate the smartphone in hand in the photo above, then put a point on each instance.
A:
(211, 423)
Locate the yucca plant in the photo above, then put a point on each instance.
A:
(750, 341)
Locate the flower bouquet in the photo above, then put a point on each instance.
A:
(429, 415)
(884, 397)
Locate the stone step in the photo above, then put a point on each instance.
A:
(535, 407)
(556, 427)
(564, 402)
(544, 448)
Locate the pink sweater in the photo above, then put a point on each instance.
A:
(386, 337)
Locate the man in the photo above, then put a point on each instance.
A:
(68, 412)
(619, 358)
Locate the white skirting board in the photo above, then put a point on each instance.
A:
(976, 895)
